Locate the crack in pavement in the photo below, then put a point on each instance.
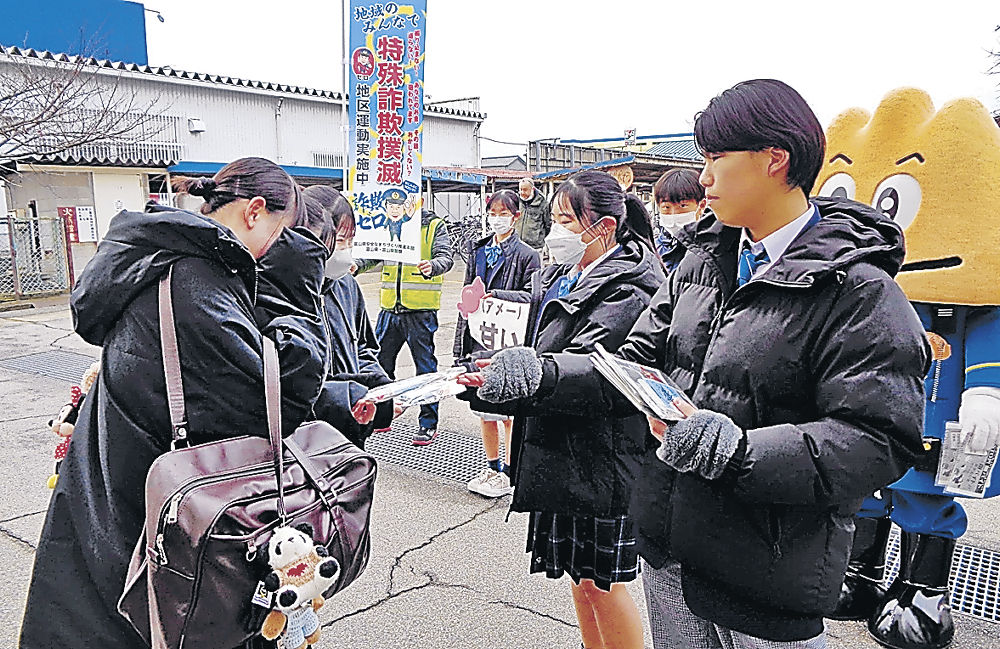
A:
(374, 605)
(432, 580)
(531, 610)
(434, 537)
(4, 531)
(53, 343)
(37, 322)
(20, 516)
(7, 421)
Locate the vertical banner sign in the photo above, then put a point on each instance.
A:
(386, 89)
(68, 214)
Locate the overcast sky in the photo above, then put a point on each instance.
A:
(592, 69)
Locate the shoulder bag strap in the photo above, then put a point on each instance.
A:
(172, 363)
(175, 386)
(272, 398)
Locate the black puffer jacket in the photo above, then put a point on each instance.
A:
(354, 367)
(96, 512)
(821, 360)
(564, 461)
(517, 263)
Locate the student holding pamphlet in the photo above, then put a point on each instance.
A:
(806, 362)
(574, 471)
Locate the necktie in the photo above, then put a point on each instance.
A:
(493, 253)
(749, 263)
(566, 284)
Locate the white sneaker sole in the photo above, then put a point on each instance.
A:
(490, 493)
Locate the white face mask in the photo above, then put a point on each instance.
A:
(674, 222)
(566, 247)
(500, 225)
(338, 264)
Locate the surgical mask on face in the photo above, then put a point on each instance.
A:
(500, 225)
(338, 264)
(674, 222)
(566, 246)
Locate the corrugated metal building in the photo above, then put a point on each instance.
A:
(203, 121)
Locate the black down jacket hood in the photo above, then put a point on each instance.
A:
(137, 250)
(847, 233)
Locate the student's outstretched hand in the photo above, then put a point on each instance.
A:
(703, 443)
(474, 379)
(363, 411)
(511, 374)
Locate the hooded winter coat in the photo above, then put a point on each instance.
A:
(535, 221)
(354, 367)
(821, 361)
(517, 262)
(96, 512)
(564, 461)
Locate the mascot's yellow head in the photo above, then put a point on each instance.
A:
(938, 175)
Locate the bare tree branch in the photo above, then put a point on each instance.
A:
(54, 106)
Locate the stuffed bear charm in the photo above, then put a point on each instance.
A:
(301, 571)
(64, 423)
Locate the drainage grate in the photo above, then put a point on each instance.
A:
(974, 580)
(452, 456)
(56, 364)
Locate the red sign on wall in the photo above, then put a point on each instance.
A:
(68, 215)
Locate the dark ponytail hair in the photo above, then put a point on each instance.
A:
(246, 178)
(336, 210)
(638, 222)
(594, 194)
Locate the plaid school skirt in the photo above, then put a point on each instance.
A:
(601, 549)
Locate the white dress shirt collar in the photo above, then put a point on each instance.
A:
(778, 241)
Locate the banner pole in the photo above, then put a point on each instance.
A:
(344, 120)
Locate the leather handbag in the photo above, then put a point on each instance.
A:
(196, 572)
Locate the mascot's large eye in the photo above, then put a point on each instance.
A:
(840, 185)
(898, 197)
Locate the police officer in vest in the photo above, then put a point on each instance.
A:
(410, 299)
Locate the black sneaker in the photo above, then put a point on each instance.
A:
(424, 436)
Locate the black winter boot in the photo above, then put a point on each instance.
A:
(916, 612)
(862, 591)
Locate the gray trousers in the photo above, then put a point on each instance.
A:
(674, 626)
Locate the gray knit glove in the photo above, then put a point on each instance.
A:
(703, 444)
(514, 373)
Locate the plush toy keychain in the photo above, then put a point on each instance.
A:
(301, 571)
(64, 423)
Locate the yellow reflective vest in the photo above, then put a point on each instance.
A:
(404, 287)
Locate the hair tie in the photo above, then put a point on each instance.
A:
(203, 187)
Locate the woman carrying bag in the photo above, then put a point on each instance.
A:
(574, 473)
(95, 516)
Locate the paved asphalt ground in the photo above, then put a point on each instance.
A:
(447, 567)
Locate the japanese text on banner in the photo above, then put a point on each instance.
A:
(386, 117)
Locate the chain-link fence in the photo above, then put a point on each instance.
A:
(32, 256)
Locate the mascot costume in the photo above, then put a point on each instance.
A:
(937, 174)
